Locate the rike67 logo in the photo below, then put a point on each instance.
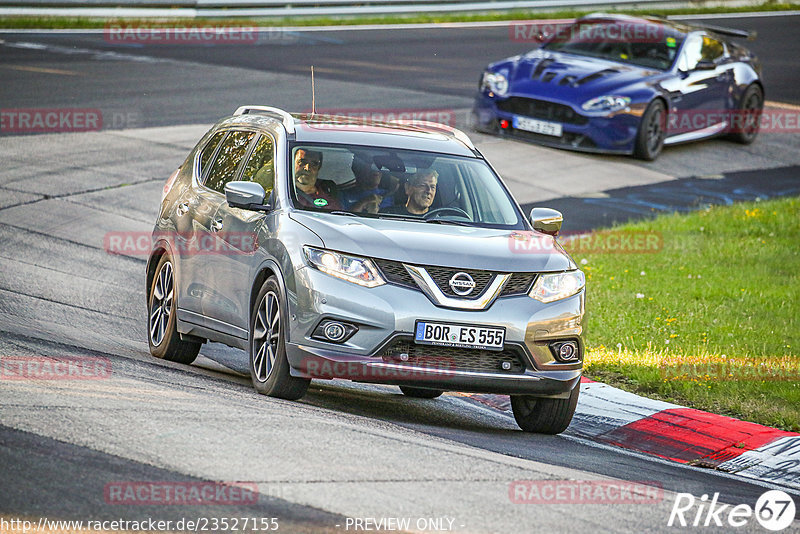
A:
(774, 510)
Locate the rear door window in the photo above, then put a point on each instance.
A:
(227, 160)
(208, 151)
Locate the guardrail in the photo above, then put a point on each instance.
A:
(286, 8)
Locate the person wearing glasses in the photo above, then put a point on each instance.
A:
(421, 190)
(312, 192)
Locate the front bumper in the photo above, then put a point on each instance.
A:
(383, 350)
(614, 134)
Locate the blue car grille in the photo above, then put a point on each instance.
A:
(541, 109)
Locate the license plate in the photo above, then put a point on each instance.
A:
(537, 126)
(459, 335)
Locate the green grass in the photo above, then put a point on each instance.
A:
(24, 22)
(711, 320)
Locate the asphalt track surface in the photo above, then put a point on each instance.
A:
(345, 450)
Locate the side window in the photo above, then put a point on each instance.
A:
(700, 49)
(260, 168)
(691, 54)
(711, 50)
(208, 151)
(229, 156)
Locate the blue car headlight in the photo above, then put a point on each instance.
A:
(603, 105)
(496, 82)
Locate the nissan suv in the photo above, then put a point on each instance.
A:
(380, 252)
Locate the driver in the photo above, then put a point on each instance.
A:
(421, 190)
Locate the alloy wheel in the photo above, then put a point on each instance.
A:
(161, 304)
(266, 336)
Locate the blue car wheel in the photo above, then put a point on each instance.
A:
(650, 138)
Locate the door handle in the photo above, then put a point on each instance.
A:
(216, 225)
(182, 209)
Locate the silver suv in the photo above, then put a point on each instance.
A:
(328, 247)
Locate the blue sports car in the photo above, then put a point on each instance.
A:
(623, 85)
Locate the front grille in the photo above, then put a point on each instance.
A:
(395, 273)
(455, 359)
(541, 109)
(518, 284)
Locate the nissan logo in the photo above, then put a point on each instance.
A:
(462, 284)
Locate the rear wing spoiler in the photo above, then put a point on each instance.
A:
(731, 32)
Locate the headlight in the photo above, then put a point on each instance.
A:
(495, 82)
(360, 271)
(557, 286)
(603, 105)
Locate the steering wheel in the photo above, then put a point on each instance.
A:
(454, 211)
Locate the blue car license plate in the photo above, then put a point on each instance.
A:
(537, 126)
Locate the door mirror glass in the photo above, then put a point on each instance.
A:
(546, 220)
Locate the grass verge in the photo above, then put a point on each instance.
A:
(706, 314)
(42, 22)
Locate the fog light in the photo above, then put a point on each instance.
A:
(334, 331)
(503, 123)
(506, 366)
(566, 351)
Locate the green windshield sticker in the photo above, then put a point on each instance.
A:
(321, 202)
(671, 42)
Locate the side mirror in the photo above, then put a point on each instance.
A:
(245, 195)
(705, 65)
(546, 220)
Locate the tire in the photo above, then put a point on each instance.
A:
(652, 130)
(269, 366)
(545, 416)
(162, 335)
(745, 130)
(420, 393)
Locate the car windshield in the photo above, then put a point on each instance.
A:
(392, 183)
(635, 42)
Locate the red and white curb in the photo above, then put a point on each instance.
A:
(615, 417)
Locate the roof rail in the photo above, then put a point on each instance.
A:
(286, 118)
(437, 127)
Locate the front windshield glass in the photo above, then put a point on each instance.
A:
(388, 183)
(635, 42)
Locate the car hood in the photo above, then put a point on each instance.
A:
(437, 244)
(573, 79)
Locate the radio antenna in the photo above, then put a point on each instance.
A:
(313, 102)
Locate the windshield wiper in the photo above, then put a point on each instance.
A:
(397, 217)
(447, 221)
(342, 212)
